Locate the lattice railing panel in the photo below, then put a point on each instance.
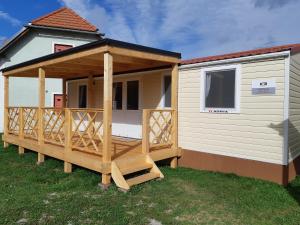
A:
(54, 120)
(160, 127)
(30, 122)
(87, 130)
(13, 120)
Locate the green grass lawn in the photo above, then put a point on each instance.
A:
(45, 195)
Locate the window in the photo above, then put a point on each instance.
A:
(61, 47)
(220, 89)
(117, 95)
(82, 96)
(167, 91)
(133, 95)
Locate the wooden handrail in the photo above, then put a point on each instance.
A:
(145, 137)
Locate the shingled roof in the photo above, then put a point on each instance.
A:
(292, 47)
(64, 18)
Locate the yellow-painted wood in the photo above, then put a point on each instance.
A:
(118, 176)
(6, 104)
(107, 115)
(64, 88)
(68, 141)
(106, 179)
(49, 62)
(21, 150)
(41, 105)
(145, 140)
(21, 123)
(174, 105)
(67, 167)
(154, 168)
(41, 158)
(142, 178)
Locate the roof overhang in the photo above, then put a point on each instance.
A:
(63, 29)
(88, 60)
(236, 60)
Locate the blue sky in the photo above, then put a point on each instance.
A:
(193, 27)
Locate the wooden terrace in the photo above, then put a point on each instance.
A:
(83, 136)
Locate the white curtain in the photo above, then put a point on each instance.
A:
(207, 85)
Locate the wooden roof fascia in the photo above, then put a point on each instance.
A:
(49, 62)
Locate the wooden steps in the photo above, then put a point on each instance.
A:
(142, 178)
(141, 164)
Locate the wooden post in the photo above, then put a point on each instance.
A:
(174, 105)
(145, 140)
(6, 104)
(91, 98)
(107, 114)
(64, 88)
(21, 129)
(68, 132)
(41, 157)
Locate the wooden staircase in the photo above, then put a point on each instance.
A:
(141, 164)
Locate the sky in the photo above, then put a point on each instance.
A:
(195, 28)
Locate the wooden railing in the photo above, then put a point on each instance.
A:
(30, 117)
(158, 128)
(82, 129)
(86, 130)
(53, 125)
(14, 120)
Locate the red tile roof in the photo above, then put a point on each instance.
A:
(64, 18)
(292, 47)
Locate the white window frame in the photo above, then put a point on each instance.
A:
(237, 94)
(61, 43)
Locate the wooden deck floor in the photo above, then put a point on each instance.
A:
(122, 149)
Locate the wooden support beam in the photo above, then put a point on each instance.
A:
(145, 138)
(91, 94)
(174, 105)
(41, 157)
(6, 104)
(21, 129)
(143, 55)
(64, 90)
(96, 51)
(21, 150)
(107, 114)
(68, 144)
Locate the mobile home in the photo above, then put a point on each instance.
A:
(240, 113)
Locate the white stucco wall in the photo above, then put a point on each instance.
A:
(33, 45)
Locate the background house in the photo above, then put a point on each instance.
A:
(59, 30)
(240, 113)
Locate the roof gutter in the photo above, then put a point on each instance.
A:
(65, 29)
(235, 60)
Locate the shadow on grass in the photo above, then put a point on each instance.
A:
(294, 190)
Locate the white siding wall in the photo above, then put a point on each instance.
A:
(294, 111)
(255, 133)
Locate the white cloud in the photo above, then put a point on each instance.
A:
(13, 21)
(195, 27)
